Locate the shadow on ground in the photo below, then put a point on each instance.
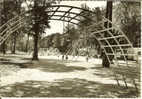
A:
(66, 88)
(46, 65)
(53, 66)
(130, 73)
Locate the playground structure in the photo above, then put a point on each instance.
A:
(114, 34)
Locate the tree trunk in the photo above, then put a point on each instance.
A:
(27, 43)
(105, 61)
(36, 31)
(14, 44)
(4, 48)
(35, 53)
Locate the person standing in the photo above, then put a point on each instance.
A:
(63, 57)
(66, 57)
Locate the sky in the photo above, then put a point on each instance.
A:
(57, 26)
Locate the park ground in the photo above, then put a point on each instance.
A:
(53, 77)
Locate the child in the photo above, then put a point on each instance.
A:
(66, 57)
(62, 57)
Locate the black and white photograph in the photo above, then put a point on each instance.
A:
(70, 48)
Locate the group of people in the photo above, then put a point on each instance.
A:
(64, 57)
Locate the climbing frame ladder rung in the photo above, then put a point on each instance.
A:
(105, 38)
(116, 78)
(125, 82)
(120, 54)
(135, 85)
(121, 45)
(10, 27)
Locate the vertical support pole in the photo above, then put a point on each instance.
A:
(124, 79)
(116, 64)
(117, 79)
(135, 85)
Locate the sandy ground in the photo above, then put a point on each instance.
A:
(12, 74)
(23, 75)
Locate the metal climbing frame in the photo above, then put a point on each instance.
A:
(60, 13)
(11, 26)
(116, 40)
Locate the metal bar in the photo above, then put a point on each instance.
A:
(72, 7)
(134, 82)
(111, 37)
(117, 79)
(79, 14)
(73, 13)
(119, 45)
(124, 79)
(54, 12)
(108, 44)
(15, 28)
(120, 32)
(11, 30)
(12, 24)
(17, 16)
(8, 22)
(103, 49)
(121, 54)
(116, 42)
(123, 49)
(65, 17)
(66, 13)
(63, 20)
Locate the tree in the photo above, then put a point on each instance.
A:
(56, 41)
(85, 32)
(87, 20)
(17, 10)
(127, 16)
(105, 61)
(39, 21)
(3, 20)
(13, 42)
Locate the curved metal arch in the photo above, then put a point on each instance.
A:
(117, 43)
(73, 13)
(69, 11)
(124, 36)
(74, 17)
(120, 31)
(11, 29)
(68, 6)
(63, 20)
(64, 17)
